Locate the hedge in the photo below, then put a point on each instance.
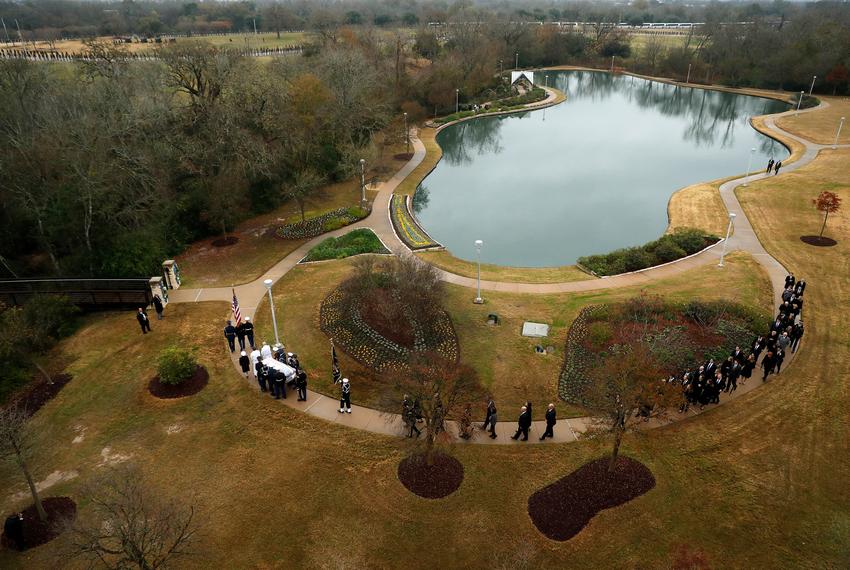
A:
(679, 244)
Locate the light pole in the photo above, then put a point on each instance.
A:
(363, 183)
(728, 231)
(500, 68)
(749, 166)
(612, 64)
(800, 102)
(478, 243)
(814, 78)
(688, 80)
(268, 283)
(516, 64)
(838, 133)
(406, 134)
(457, 100)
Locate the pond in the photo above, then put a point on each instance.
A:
(590, 175)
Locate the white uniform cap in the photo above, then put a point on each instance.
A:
(247, 319)
(345, 380)
(243, 353)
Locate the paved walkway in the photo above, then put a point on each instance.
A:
(567, 430)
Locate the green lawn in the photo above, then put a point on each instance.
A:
(355, 242)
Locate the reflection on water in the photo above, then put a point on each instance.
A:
(590, 175)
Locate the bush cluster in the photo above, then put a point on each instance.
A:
(679, 244)
(353, 243)
(327, 222)
(176, 365)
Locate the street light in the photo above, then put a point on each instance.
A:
(612, 64)
(688, 80)
(814, 78)
(749, 166)
(837, 134)
(799, 102)
(363, 183)
(478, 243)
(268, 283)
(728, 231)
(406, 134)
(500, 68)
(457, 100)
(516, 65)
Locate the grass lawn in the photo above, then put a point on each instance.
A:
(505, 361)
(355, 242)
(445, 260)
(698, 206)
(821, 126)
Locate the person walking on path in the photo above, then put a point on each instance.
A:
(493, 414)
(490, 407)
(550, 423)
(261, 373)
(776, 167)
(144, 322)
(279, 383)
(408, 414)
(796, 334)
(240, 335)
(768, 363)
(158, 307)
(248, 327)
(245, 363)
(301, 385)
(230, 335)
(769, 166)
(345, 397)
(523, 424)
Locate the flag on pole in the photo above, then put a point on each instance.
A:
(237, 314)
(335, 364)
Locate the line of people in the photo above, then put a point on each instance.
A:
(703, 385)
(774, 166)
(245, 330)
(269, 378)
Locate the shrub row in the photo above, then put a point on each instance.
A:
(327, 222)
(509, 104)
(679, 244)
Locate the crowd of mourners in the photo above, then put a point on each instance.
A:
(703, 385)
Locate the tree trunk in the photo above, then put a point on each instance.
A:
(42, 514)
(618, 438)
(823, 227)
(44, 372)
(301, 207)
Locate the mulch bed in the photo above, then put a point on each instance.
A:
(40, 392)
(403, 156)
(381, 311)
(818, 241)
(561, 510)
(60, 512)
(225, 241)
(186, 388)
(440, 479)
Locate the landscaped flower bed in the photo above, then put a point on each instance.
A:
(327, 222)
(679, 335)
(355, 242)
(509, 104)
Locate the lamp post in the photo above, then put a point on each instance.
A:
(363, 183)
(838, 133)
(612, 64)
(406, 134)
(478, 243)
(457, 100)
(500, 68)
(749, 166)
(800, 102)
(516, 64)
(728, 231)
(688, 80)
(814, 78)
(268, 283)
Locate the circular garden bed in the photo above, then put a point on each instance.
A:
(60, 512)
(818, 241)
(194, 384)
(561, 510)
(436, 480)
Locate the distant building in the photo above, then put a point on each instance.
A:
(522, 81)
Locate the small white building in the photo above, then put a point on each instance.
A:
(522, 81)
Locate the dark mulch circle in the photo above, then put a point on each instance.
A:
(562, 509)
(40, 392)
(403, 156)
(224, 241)
(818, 241)
(186, 388)
(440, 479)
(60, 512)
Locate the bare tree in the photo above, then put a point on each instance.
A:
(16, 444)
(132, 525)
(305, 183)
(629, 385)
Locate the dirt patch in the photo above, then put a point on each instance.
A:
(225, 241)
(440, 479)
(403, 156)
(60, 512)
(193, 385)
(818, 241)
(39, 393)
(562, 509)
(381, 311)
(109, 459)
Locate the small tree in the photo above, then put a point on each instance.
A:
(629, 383)
(305, 183)
(16, 444)
(132, 525)
(176, 365)
(828, 203)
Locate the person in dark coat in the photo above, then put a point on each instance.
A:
(158, 307)
(776, 167)
(13, 530)
(144, 322)
(301, 385)
(550, 422)
(261, 372)
(248, 328)
(796, 334)
(768, 363)
(523, 424)
(279, 379)
(230, 335)
(409, 416)
(800, 287)
(769, 166)
(245, 363)
(490, 405)
(790, 280)
(779, 357)
(240, 335)
(345, 397)
(493, 414)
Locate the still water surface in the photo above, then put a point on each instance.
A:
(590, 175)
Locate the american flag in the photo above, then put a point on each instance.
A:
(237, 314)
(335, 364)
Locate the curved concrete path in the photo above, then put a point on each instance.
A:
(567, 430)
